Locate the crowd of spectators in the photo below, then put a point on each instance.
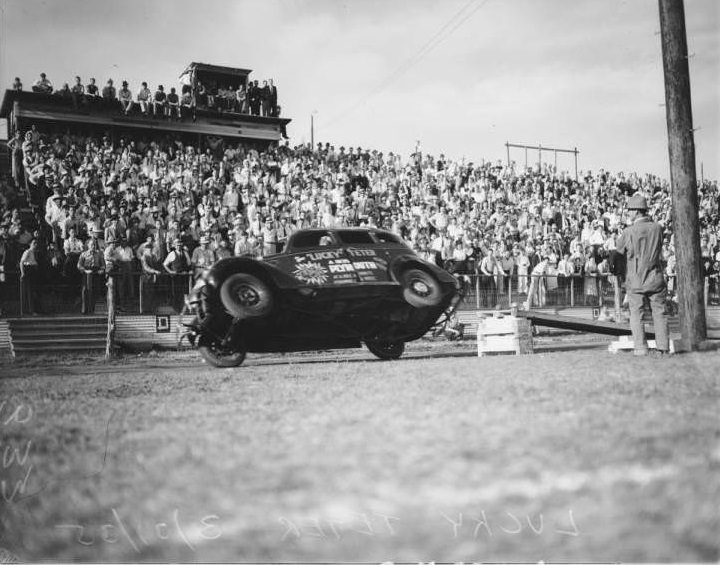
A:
(253, 99)
(159, 206)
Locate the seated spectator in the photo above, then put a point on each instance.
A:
(78, 93)
(173, 105)
(159, 102)
(143, 98)
(109, 94)
(17, 85)
(91, 91)
(187, 104)
(65, 93)
(43, 85)
(125, 98)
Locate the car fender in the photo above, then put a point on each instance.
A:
(407, 261)
(232, 265)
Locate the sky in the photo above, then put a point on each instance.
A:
(462, 77)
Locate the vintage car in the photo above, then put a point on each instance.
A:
(328, 289)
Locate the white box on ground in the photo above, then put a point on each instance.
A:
(504, 334)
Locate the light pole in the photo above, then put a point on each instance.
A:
(312, 129)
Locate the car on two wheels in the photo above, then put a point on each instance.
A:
(328, 289)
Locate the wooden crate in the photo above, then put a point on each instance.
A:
(503, 335)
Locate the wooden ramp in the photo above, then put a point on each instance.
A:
(573, 323)
(558, 321)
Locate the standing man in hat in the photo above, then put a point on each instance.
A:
(177, 263)
(641, 243)
(90, 264)
(202, 258)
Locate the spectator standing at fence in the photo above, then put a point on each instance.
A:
(202, 258)
(43, 85)
(125, 98)
(590, 278)
(125, 261)
(641, 242)
(90, 264)
(30, 275)
(537, 288)
(73, 247)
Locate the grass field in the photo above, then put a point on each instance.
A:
(575, 456)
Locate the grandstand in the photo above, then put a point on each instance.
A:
(219, 172)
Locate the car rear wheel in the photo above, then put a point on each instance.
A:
(221, 357)
(246, 296)
(386, 350)
(420, 288)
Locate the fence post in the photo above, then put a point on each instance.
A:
(110, 342)
(706, 290)
(142, 292)
(477, 292)
(572, 291)
(22, 295)
(509, 290)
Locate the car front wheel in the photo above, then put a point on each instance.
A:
(220, 357)
(386, 350)
(246, 296)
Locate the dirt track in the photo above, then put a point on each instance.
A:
(580, 456)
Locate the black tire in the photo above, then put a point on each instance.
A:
(220, 358)
(386, 350)
(246, 296)
(420, 288)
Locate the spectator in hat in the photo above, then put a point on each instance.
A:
(17, 85)
(91, 265)
(177, 261)
(125, 98)
(641, 243)
(43, 85)
(202, 258)
(177, 264)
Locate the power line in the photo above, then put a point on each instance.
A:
(458, 19)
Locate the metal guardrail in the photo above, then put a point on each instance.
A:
(145, 294)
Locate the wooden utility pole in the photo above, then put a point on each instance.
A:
(681, 146)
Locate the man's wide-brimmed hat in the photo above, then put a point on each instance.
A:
(637, 202)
